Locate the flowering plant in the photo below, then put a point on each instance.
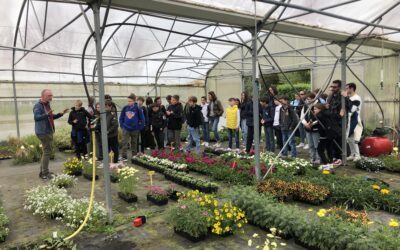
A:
(4, 230)
(164, 162)
(63, 181)
(127, 180)
(227, 218)
(73, 166)
(346, 215)
(87, 166)
(52, 202)
(370, 164)
(157, 193)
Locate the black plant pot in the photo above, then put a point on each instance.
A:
(5, 157)
(76, 174)
(306, 246)
(53, 216)
(90, 177)
(173, 196)
(114, 179)
(190, 237)
(156, 201)
(130, 198)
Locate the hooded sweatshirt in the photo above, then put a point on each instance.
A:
(82, 117)
(132, 118)
(194, 116)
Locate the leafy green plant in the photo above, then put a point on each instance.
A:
(4, 230)
(57, 243)
(188, 217)
(26, 150)
(62, 138)
(392, 163)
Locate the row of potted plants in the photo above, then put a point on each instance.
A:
(187, 180)
(197, 214)
(315, 230)
(4, 230)
(163, 162)
(52, 202)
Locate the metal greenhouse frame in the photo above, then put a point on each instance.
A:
(230, 28)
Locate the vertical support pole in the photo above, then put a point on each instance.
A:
(15, 100)
(103, 122)
(256, 117)
(205, 87)
(344, 118)
(242, 70)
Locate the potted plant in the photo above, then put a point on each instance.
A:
(63, 181)
(73, 166)
(87, 169)
(114, 176)
(189, 220)
(127, 184)
(157, 195)
(227, 219)
(173, 194)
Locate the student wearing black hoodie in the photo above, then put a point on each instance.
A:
(268, 114)
(194, 121)
(158, 124)
(175, 119)
(78, 118)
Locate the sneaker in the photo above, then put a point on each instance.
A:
(301, 145)
(206, 144)
(122, 159)
(217, 145)
(337, 163)
(357, 158)
(317, 162)
(350, 158)
(306, 146)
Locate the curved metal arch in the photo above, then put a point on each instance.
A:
(13, 65)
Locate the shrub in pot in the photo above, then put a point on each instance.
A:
(87, 169)
(64, 181)
(73, 166)
(173, 194)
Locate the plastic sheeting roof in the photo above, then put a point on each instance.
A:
(138, 54)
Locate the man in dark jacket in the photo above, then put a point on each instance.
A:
(288, 120)
(194, 121)
(175, 119)
(112, 130)
(44, 129)
(158, 124)
(79, 119)
(267, 120)
(248, 109)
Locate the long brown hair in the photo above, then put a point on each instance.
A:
(213, 95)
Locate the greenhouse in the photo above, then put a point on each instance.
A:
(199, 124)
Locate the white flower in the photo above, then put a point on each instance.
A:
(249, 243)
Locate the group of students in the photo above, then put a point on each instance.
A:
(150, 124)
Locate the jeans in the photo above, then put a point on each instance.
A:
(174, 137)
(47, 146)
(194, 136)
(131, 137)
(354, 149)
(250, 137)
(206, 131)
(231, 133)
(243, 126)
(113, 146)
(292, 143)
(269, 138)
(313, 140)
(214, 120)
(302, 132)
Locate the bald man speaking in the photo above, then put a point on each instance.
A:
(44, 129)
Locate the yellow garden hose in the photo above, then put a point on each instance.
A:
(89, 210)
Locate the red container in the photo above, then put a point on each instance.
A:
(138, 222)
(376, 146)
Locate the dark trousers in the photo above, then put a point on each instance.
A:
(336, 147)
(325, 145)
(233, 133)
(250, 137)
(80, 149)
(99, 147)
(278, 135)
(159, 136)
(113, 146)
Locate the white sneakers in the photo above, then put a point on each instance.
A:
(353, 158)
(301, 145)
(306, 146)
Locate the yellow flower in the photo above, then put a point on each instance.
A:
(321, 212)
(202, 203)
(326, 172)
(310, 210)
(215, 203)
(370, 222)
(239, 225)
(229, 215)
(283, 244)
(255, 235)
(393, 223)
(227, 229)
(385, 191)
(376, 187)
(249, 243)
(216, 212)
(270, 236)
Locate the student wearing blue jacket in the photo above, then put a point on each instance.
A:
(132, 121)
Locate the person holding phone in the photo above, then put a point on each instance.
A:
(44, 129)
